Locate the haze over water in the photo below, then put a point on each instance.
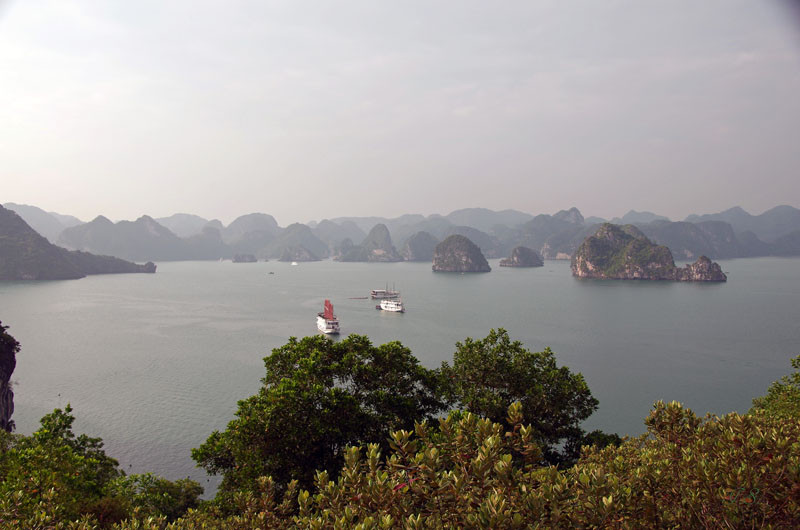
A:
(154, 363)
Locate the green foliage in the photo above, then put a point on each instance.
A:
(736, 471)
(8, 344)
(459, 254)
(56, 430)
(154, 496)
(489, 374)
(318, 397)
(621, 251)
(730, 472)
(55, 469)
(53, 477)
(783, 396)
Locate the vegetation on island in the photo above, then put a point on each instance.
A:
(522, 257)
(458, 254)
(349, 435)
(625, 253)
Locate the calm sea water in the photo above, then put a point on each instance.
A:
(154, 363)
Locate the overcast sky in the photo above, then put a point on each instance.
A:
(308, 110)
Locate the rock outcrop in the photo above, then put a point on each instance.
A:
(26, 255)
(420, 247)
(459, 254)
(702, 270)
(8, 361)
(522, 257)
(297, 253)
(377, 246)
(625, 253)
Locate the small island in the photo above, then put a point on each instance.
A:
(244, 258)
(458, 254)
(624, 253)
(522, 257)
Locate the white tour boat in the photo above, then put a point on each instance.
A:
(395, 305)
(327, 321)
(381, 294)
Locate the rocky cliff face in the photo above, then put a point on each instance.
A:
(8, 361)
(625, 253)
(459, 254)
(702, 270)
(522, 257)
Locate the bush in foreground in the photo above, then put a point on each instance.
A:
(737, 471)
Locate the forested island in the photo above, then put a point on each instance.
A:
(625, 253)
(458, 254)
(352, 435)
(522, 257)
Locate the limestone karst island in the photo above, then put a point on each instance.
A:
(458, 254)
(624, 253)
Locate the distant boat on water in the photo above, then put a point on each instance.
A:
(327, 321)
(380, 294)
(393, 305)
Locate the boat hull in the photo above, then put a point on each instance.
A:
(328, 326)
(392, 306)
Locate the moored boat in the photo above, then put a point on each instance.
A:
(381, 294)
(394, 305)
(327, 321)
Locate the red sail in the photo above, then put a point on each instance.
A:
(328, 310)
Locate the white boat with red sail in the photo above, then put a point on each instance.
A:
(327, 321)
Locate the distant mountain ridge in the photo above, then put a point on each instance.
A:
(27, 255)
(184, 224)
(769, 226)
(189, 237)
(47, 224)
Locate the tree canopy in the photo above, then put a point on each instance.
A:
(490, 374)
(735, 471)
(318, 397)
(783, 396)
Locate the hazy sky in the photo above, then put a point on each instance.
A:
(308, 110)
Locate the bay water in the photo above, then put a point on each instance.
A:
(154, 363)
